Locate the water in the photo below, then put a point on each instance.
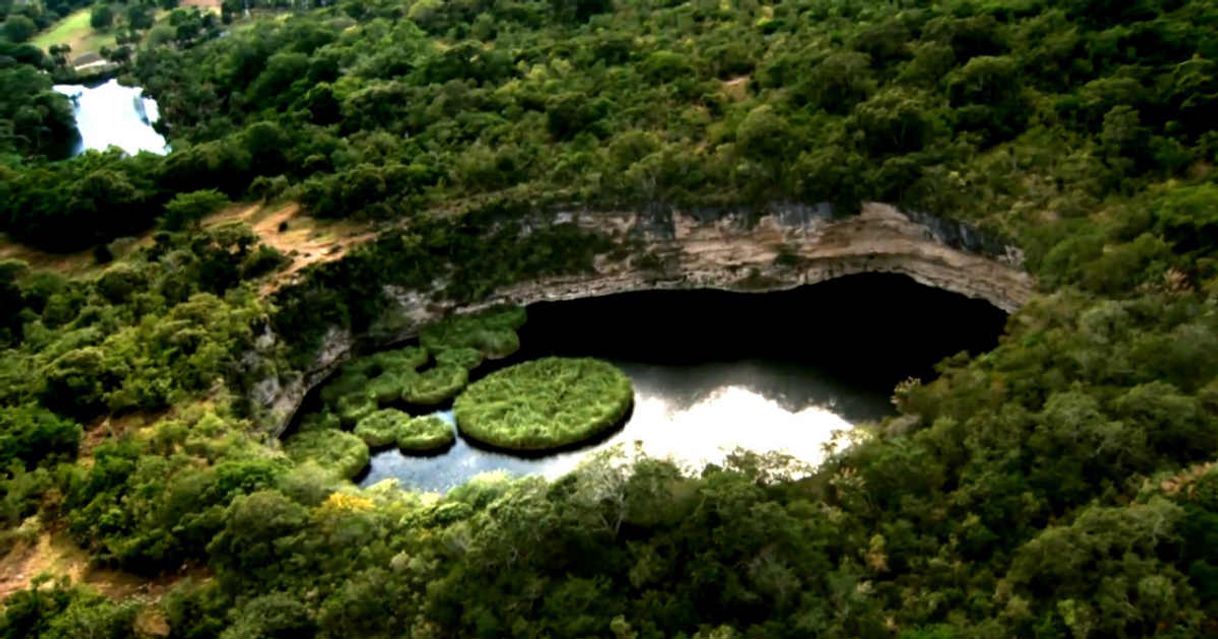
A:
(786, 372)
(114, 115)
(692, 414)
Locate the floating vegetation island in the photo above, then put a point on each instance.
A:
(375, 395)
(332, 449)
(544, 404)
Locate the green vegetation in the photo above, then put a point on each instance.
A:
(382, 428)
(436, 385)
(75, 30)
(342, 453)
(544, 404)
(492, 333)
(188, 209)
(460, 344)
(426, 434)
(1062, 485)
(464, 357)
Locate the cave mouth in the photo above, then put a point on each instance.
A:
(789, 372)
(869, 330)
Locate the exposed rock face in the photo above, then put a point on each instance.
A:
(790, 246)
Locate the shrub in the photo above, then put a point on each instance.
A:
(188, 209)
(426, 434)
(544, 404)
(30, 434)
(382, 428)
(335, 450)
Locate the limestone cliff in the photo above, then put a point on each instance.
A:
(788, 246)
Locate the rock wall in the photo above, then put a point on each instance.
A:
(785, 247)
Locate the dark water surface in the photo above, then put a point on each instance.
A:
(714, 371)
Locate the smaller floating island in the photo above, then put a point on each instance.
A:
(419, 435)
(534, 407)
(545, 404)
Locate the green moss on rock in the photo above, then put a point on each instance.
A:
(426, 434)
(544, 404)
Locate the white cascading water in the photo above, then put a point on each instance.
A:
(114, 115)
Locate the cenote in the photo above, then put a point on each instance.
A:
(717, 371)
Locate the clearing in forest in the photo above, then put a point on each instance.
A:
(76, 32)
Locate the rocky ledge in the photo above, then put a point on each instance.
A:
(787, 247)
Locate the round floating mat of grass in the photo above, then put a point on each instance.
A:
(436, 385)
(340, 451)
(382, 428)
(544, 404)
(427, 434)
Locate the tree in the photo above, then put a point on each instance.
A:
(101, 17)
(186, 210)
(579, 10)
(75, 382)
(11, 299)
(19, 28)
(839, 82)
(138, 16)
(32, 435)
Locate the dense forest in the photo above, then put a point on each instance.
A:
(1062, 485)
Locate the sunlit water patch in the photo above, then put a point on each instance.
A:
(714, 371)
(114, 115)
(693, 415)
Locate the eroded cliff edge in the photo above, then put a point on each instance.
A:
(787, 247)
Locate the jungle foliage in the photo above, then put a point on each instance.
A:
(1062, 485)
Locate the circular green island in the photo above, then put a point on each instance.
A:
(336, 450)
(427, 434)
(544, 404)
(381, 428)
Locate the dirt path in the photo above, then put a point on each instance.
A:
(303, 239)
(55, 554)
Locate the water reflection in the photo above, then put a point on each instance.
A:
(114, 115)
(692, 414)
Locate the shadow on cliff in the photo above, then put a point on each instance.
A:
(873, 329)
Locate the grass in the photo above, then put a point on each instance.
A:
(75, 31)
(335, 450)
(354, 407)
(493, 332)
(544, 404)
(436, 385)
(389, 386)
(368, 385)
(382, 428)
(465, 357)
(425, 435)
